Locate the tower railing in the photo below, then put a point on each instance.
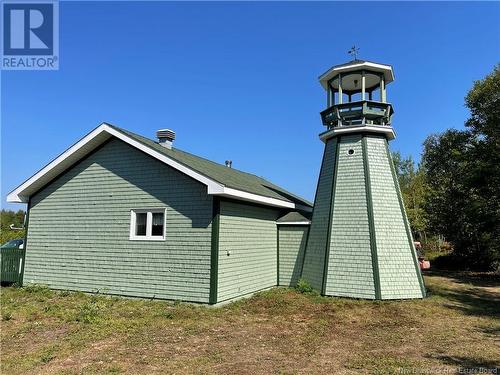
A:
(363, 112)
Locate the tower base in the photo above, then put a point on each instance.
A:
(360, 244)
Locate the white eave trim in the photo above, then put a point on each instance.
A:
(355, 66)
(213, 186)
(388, 131)
(293, 223)
(347, 68)
(70, 156)
(17, 194)
(250, 197)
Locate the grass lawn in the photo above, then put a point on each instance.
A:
(279, 331)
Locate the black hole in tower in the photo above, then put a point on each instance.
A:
(350, 152)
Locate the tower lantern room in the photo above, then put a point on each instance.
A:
(356, 94)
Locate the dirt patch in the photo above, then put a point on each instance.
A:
(276, 332)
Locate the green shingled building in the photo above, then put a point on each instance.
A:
(121, 214)
(360, 244)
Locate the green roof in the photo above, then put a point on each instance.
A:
(229, 177)
(294, 217)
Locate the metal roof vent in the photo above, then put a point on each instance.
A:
(229, 163)
(165, 137)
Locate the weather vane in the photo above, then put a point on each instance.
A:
(354, 52)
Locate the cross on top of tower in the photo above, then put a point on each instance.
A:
(354, 52)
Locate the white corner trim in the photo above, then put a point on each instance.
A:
(293, 223)
(21, 193)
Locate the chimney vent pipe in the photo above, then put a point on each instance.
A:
(165, 137)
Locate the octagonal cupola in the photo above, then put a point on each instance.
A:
(356, 94)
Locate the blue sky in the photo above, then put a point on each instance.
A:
(239, 80)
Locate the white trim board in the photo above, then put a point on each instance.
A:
(293, 223)
(388, 131)
(250, 197)
(101, 134)
(382, 68)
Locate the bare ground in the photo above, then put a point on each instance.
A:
(280, 331)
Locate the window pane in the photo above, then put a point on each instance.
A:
(157, 229)
(140, 224)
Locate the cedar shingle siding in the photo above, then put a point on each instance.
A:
(318, 235)
(249, 234)
(79, 227)
(350, 263)
(292, 244)
(78, 235)
(398, 276)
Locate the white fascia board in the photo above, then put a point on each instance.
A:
(74, 153)
(214, 187)
(347, 68)
(268, 201)
(388, 131)
(17, 194)
(294, 223)
(250, 197)
(378, 67)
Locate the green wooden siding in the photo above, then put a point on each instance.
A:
(318, 236)
(350, 263)
(292, 244)
(247, 249)
(79, 229)
(399, 276)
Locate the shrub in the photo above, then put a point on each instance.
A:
(303, 286)
(449, 262)
(47, 356)
(169, 314)
(6, 316)
(88, 312)
(37, 288)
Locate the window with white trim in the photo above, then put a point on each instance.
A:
(147, 224)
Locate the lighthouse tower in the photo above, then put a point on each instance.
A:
(360, 244)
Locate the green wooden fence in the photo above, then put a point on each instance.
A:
(11, 265)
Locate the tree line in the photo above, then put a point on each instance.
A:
(453, 193)
(8, 217)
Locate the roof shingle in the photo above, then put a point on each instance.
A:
(229, 177)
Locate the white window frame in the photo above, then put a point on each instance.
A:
(149, 223)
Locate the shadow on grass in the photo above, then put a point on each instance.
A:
(490, 331)
(480, 279)
(468, 363)
(469, 300)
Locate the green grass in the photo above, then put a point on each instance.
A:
(280, 331)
